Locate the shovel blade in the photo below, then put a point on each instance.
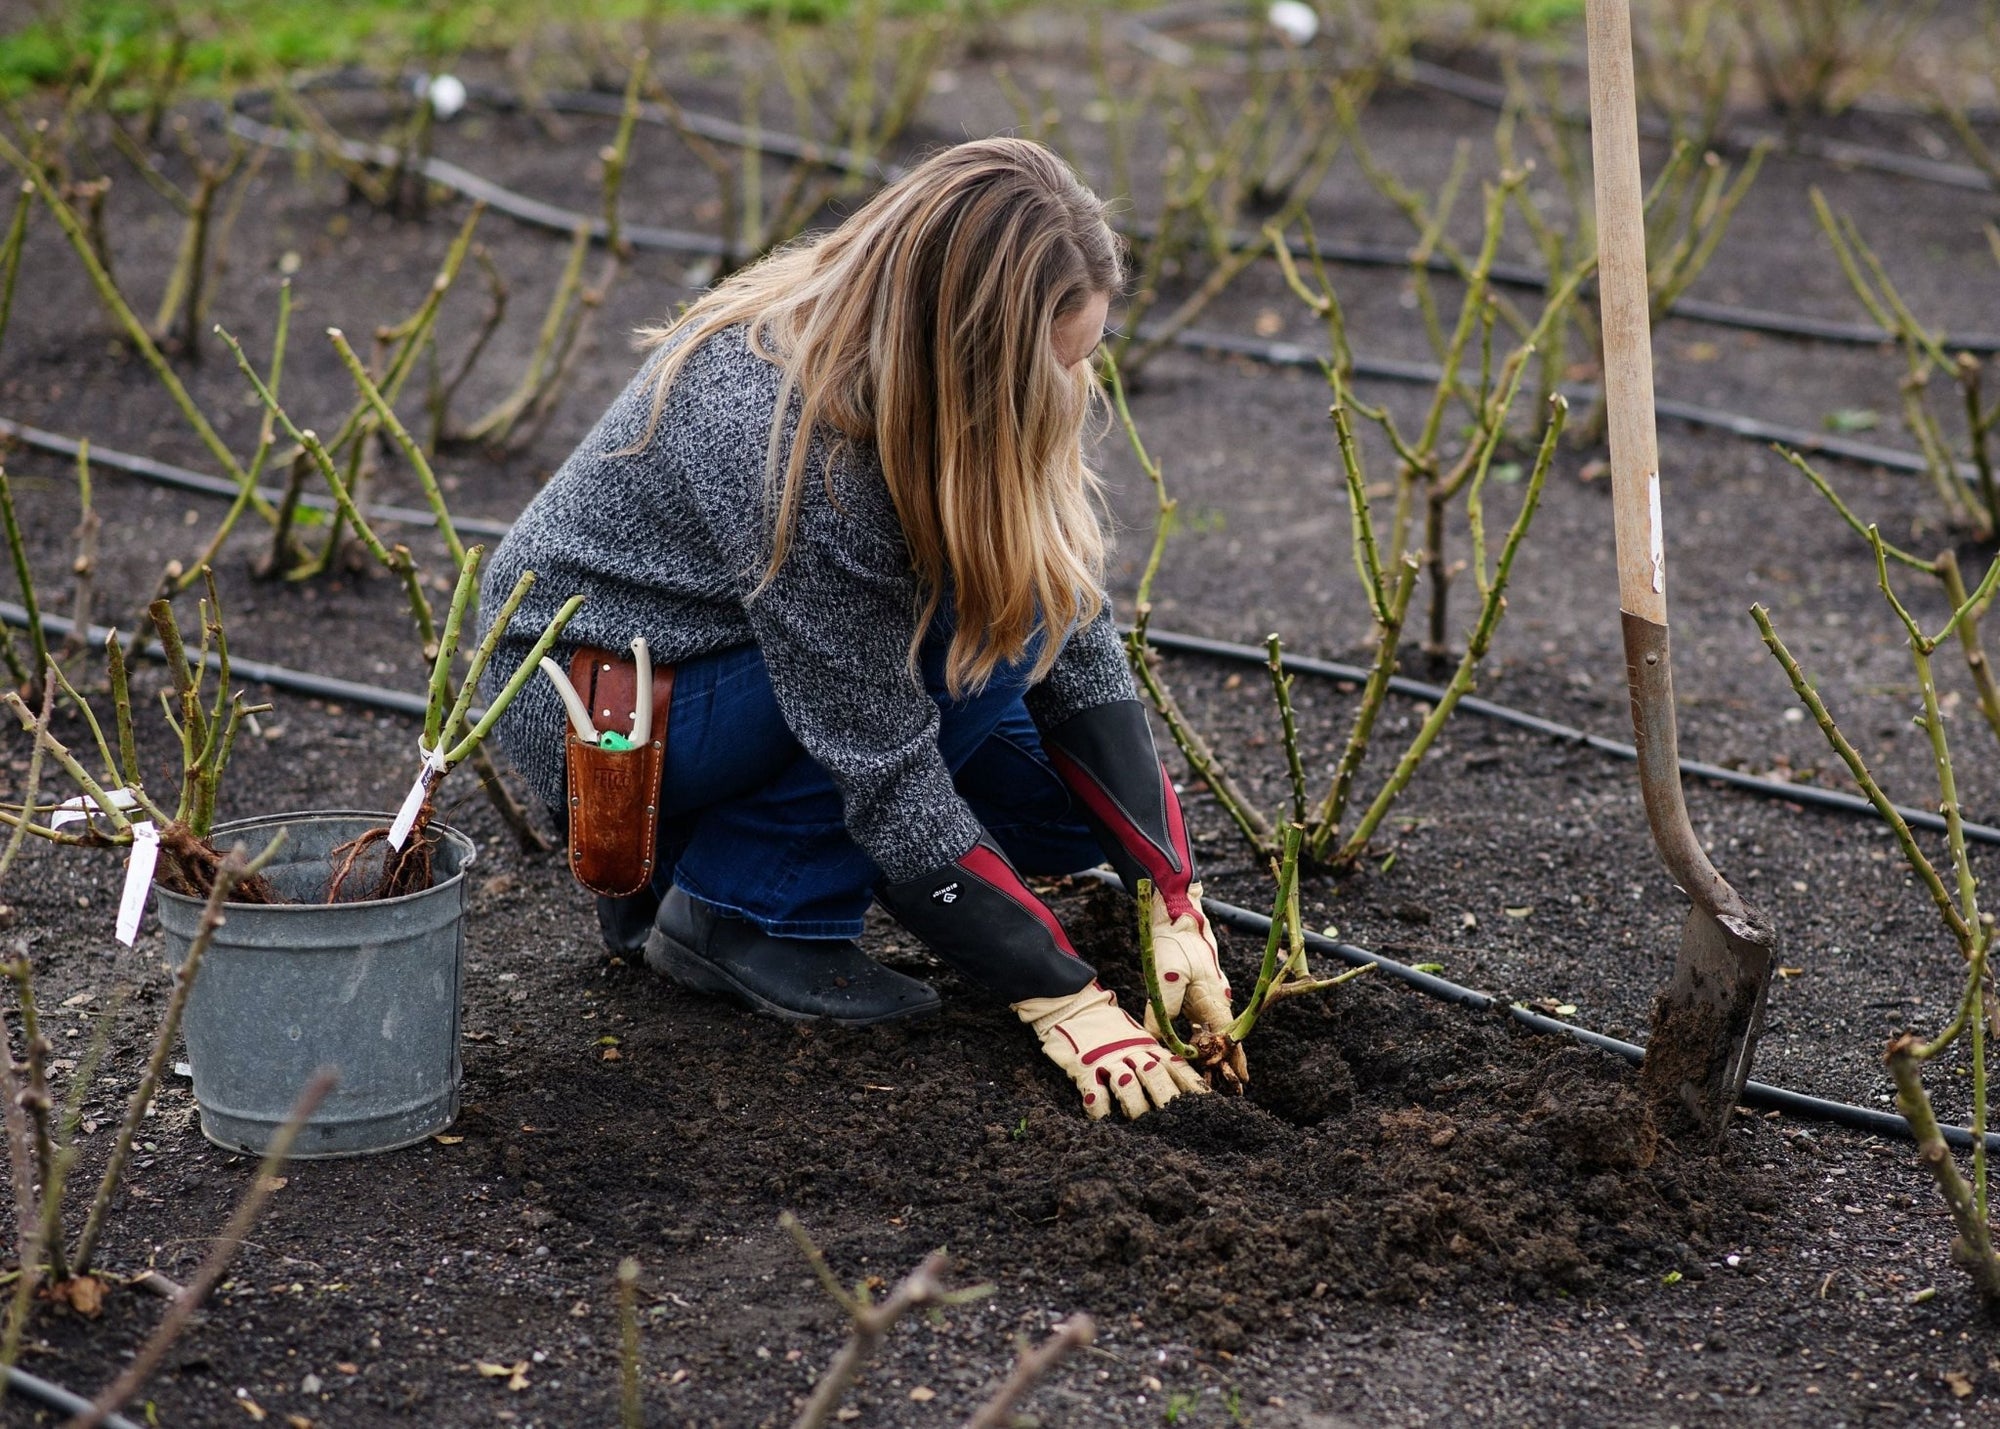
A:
(1706, 1024)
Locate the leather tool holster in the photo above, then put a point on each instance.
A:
(614, 794)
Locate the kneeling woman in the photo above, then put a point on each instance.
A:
(845, 499)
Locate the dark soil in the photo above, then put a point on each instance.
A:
(1418, 1214)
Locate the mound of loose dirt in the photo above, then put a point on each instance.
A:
(1390, 1149)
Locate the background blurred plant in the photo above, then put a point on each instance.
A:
(1814, 58)
(1388, 586)
(853, 88)
(1972, 508)
(1977, 1012)
(1971, 607)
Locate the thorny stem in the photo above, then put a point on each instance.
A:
(266, 436)
(1863, 776)
(90, 720)
(11, 248)
(31, 785)
(84, 567)
(39, 1106)
(1076, 1332)
(182, 1308)
(278, 560)
(121, 708)
(231, 871)
(397, 561)
(27, 1211)
(20, 1140)
(38, 640)
(1281, 690)
(68, 762)
(1954, 816)
(525, 671)
(410, 335)
(1974, 1247)
(1201, 759)
(413, 453)
(1277, 939)
(500, 419)
(921, 1287)
(1978, 423)
(444, 391)
(1860, 527)
(1367, 555)
(614, 158)
(1165, 506)
(1490, 611)
(1231, 267)
(1374, 695)
(440, 698)
(1969, 639)
(1149, 973)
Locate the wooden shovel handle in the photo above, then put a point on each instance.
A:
(1628, 337)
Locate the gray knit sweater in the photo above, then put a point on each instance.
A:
(670, 543)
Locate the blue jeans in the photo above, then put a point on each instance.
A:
(751, 823)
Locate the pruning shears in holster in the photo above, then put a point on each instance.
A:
(615, 751)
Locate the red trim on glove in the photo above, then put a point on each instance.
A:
(1171, 882)
(1109, 1047)
(990, 868)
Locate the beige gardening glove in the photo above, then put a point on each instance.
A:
(1191, 977)
(1106, 1053)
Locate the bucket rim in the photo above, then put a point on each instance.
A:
(468, 846)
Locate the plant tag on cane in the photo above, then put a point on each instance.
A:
(138, 879)
(83, 806)
(406, 817)
(138, 868)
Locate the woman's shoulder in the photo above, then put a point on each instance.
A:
(721, 389)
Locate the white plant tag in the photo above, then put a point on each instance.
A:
(83, 807)
(406, 817)
(138, 879)
(1657, 532)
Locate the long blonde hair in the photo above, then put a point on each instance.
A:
(922, 324)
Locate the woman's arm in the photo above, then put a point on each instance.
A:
(1091, 670)
(834, 625)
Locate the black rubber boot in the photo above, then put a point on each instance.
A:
(626, 923)
(794, 979)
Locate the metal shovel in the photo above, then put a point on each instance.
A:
(1707, 1021)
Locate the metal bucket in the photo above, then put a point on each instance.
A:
(369, 988)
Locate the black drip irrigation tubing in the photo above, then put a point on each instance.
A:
(330, 687)
(554, 218)
(1860, 1118)
(54, 1396)
(1757, 1094)
(1270, 353)
(180, 478)
(278, 677)
(1843, 152)
(1879, 1123)
(1804, 794)
(1805, 439)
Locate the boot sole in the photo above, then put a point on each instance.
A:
(683, 965)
